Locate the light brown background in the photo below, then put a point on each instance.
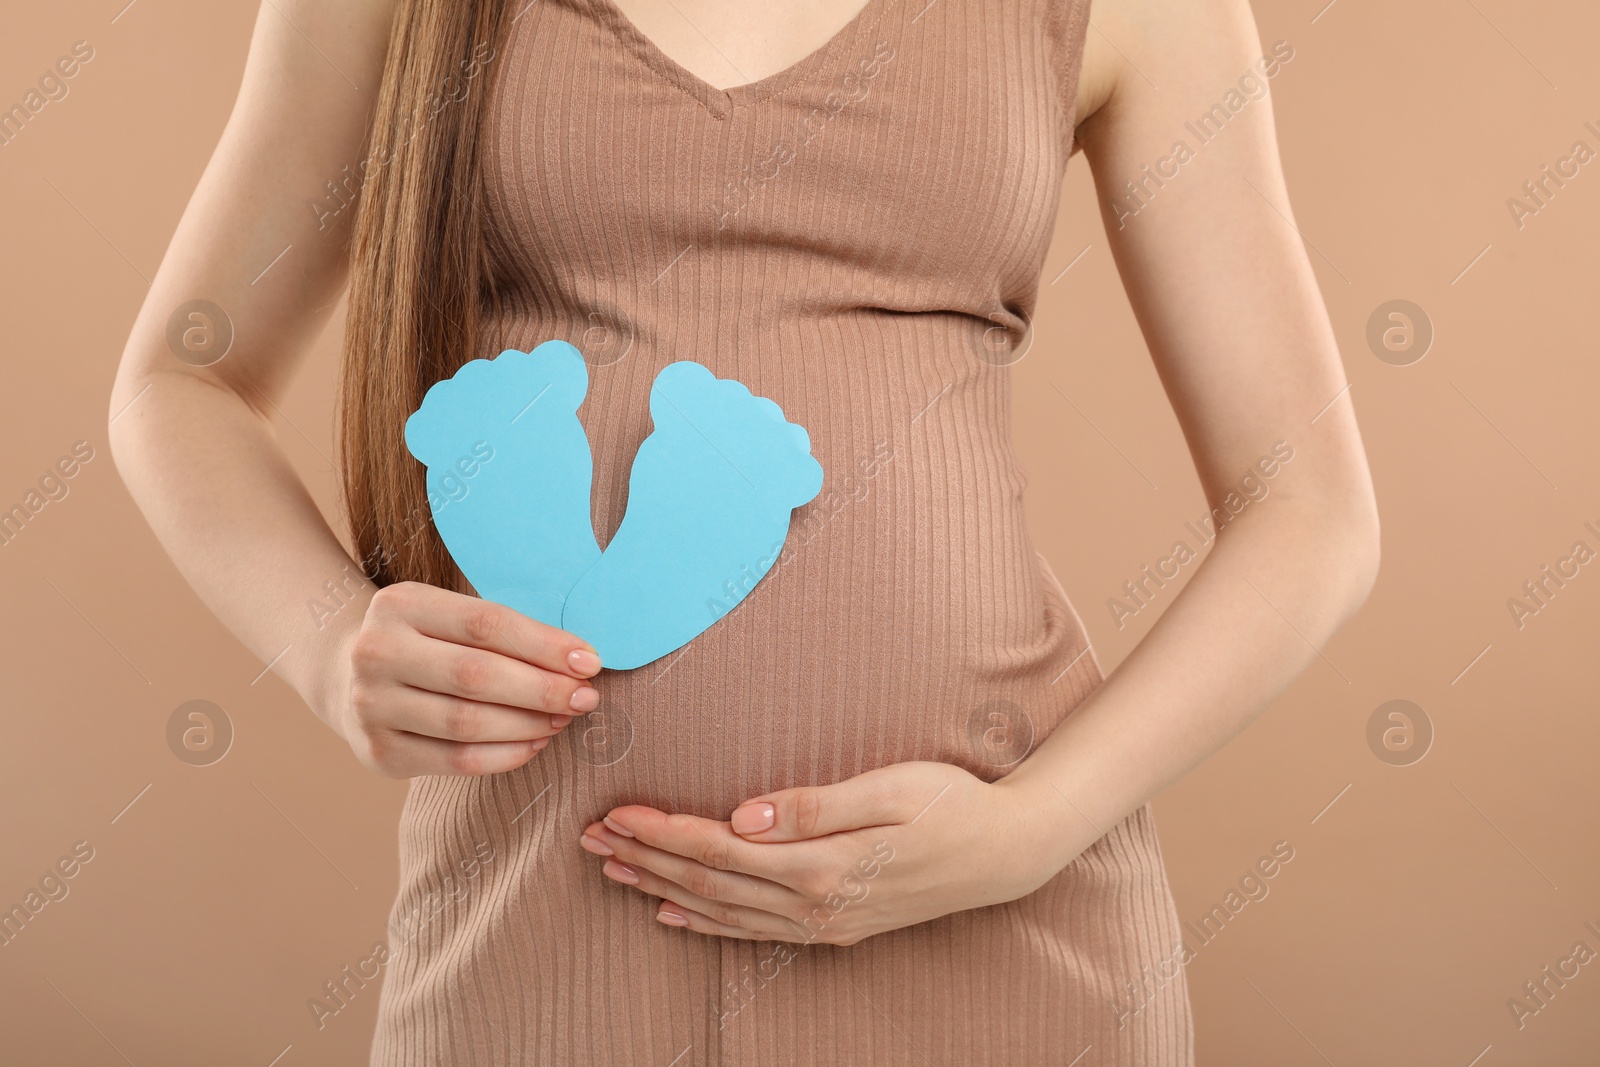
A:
(1416, 904)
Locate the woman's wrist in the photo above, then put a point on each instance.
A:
(1053, 829)
(323, 680)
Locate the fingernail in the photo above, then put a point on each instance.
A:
(621, 872)
(616, 827)
(672, 917)
(585, 699)
(558, 721)
(583, 661)
(753, 818)
(540, 743)
(595, 845)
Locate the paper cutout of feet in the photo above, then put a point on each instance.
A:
(509, 474)
(709, 499)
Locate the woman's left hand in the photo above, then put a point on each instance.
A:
(838, 863)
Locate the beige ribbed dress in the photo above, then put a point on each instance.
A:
(859, 237)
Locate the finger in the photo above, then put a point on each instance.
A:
(706, 841)
(750, 922)
(454, 670)
(406, 755)
(733, 888)
(479, 623)
(870, 799)
(418, 711)
(701, 924)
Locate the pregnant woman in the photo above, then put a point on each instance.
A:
(884, 810)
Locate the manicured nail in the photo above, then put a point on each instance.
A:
(585, 699)
(595, 845)
(583, 661)
(672, 917)
(558, 721)
(616, 827)
(621, 872)
(753, 818)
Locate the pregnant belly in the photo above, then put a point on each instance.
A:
(881, 640)
(875, 639)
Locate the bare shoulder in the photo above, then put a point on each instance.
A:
(359, 26)
(1140, 47)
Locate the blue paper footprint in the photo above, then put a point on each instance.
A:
(518, 524)
(709, 499)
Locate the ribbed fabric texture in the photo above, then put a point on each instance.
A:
(860, 238)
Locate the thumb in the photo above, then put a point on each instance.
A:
(816, 811)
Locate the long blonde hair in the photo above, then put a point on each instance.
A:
(421, 272)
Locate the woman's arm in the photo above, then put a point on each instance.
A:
(1222, 288)
(1224, 292)
(409, 674)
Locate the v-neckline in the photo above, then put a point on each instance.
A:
(721, 102)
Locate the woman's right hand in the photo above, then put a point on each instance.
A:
(437, 682)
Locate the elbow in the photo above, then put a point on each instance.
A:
(133, 423)
(123, 424)
(1359, 550)
(125, 393)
